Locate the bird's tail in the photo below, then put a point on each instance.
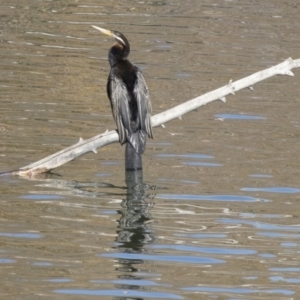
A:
(138, 142)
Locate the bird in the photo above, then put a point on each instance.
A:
(128, 94)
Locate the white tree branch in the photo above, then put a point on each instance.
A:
(83, 146)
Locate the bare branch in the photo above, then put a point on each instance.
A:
(83, 146)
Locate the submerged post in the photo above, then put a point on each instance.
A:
(133, 161)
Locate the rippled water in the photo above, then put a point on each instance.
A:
(215, 213)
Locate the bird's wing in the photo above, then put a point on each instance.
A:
(144, 104)
(120, 108)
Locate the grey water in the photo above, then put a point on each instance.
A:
(215, 214)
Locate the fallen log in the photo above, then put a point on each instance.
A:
(92, 144)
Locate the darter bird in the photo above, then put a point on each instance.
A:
(129, 96)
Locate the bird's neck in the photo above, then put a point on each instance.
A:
(117, 53)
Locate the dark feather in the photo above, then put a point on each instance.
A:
(144, 104)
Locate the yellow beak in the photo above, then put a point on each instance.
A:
(109, 33)
(105, 31)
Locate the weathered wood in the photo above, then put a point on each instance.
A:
(83, 146)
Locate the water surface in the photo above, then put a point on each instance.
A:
(216, 215)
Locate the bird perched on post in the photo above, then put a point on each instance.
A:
(129, 98)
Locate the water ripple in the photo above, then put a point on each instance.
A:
(7, 261)
(41, 197)
(227, 198)
(132, 282)
(202, 235)
(118, 293)
(187, 155)
(164, 258)
(290, 269)
(279, 235)
(21, 235)
(277, 189)
(238, 290)
(239, 117)
(201, 164)
(260, 225)
(288, 280)
(206, 250)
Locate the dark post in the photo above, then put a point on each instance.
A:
(133, 161)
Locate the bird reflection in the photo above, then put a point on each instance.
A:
(135, 214)
(134, 230)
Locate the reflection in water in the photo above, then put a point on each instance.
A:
(134, 231)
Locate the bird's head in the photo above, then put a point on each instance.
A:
(121, 49)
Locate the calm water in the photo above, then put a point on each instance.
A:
(216, 215)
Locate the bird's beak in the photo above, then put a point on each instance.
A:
(105, 31)
(109, 33)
